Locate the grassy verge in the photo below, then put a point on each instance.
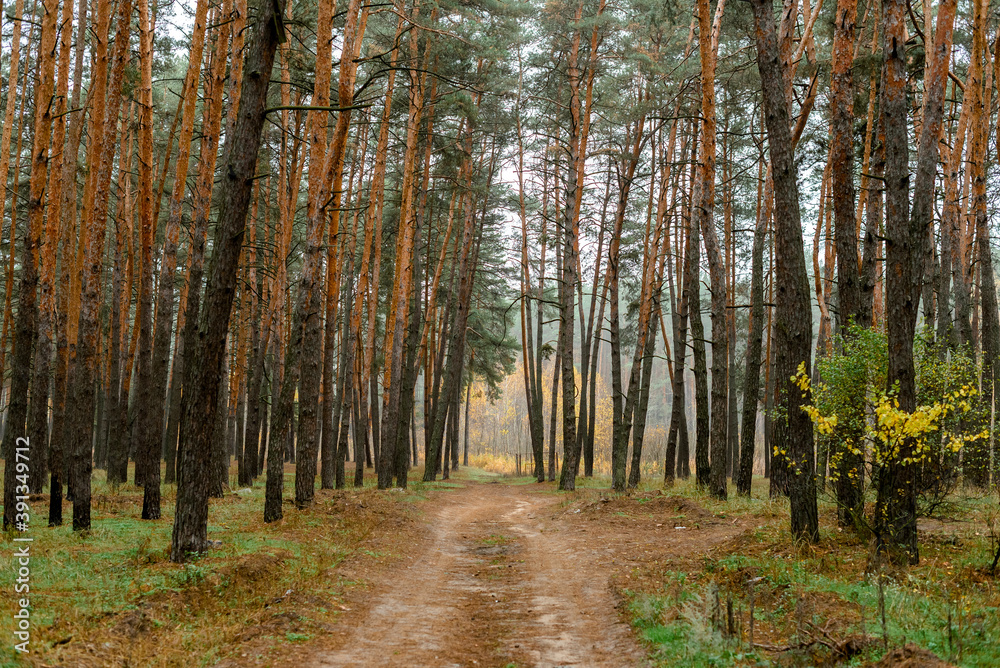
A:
(819, 605)
(112, 597)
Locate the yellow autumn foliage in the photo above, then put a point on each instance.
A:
(891, 426)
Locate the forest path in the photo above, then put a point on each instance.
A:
(503, 574)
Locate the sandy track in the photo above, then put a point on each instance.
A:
(499, 579)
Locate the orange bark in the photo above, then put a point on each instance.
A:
(8, 124)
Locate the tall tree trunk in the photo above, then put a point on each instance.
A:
(976, 454)
(637, 400)
(26, 323)
(43, 264)
(621, 422)
(699, 366)
(677, 431)
(456, 343)
(922, 213)
(532, 381)
(556, 366)
(568, 277)
(794, 432)
(255, 361)
(353, 34)
(733, 426)
(374, 212)
(118, 363)
(57, 200)
(191, 517)
(151, 434)
(5, 137)
(83, 375)
(402, 283)
(751, 380)
(953, 324)
(717, 271)
(199, 236)
(895, 513)
(850, 500)
(539, 329)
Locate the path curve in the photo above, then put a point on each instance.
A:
(498, 580)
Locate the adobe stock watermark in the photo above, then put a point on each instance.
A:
(22, 553)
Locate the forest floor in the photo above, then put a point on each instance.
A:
(512, 573)
(484, 570)
(503, 576)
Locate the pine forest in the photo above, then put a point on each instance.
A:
(500, 332)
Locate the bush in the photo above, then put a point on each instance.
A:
(857, 416)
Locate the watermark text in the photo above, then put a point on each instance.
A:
(22, 552)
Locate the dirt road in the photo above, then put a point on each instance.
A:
(504, 575)
(495, 582)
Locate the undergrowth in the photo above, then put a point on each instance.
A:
(111, 596)
(823, 604)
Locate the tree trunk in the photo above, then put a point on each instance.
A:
(255, 364)
(751, 381)
(532, 381)
(402, 285)
(456, 343)
(83, 375)
(850, 466)
(116, 391)
(57, 200)
(202, 201)
(568, 278)
(191, 517)
(25, 325)
(45, 256)
(218, 477)
(151, 440)
(5, 137)
(895, 513)
(147, 227)
(976, 454)
(556, 366)
(717, 271)
(677, 431)
(794, 432)
(699, 366)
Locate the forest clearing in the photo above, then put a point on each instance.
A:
(499, 332)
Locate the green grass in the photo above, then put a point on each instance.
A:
(832, 584)
(91, 588)
(689, 639)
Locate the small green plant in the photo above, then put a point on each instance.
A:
(192, 575)
(687, 637)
